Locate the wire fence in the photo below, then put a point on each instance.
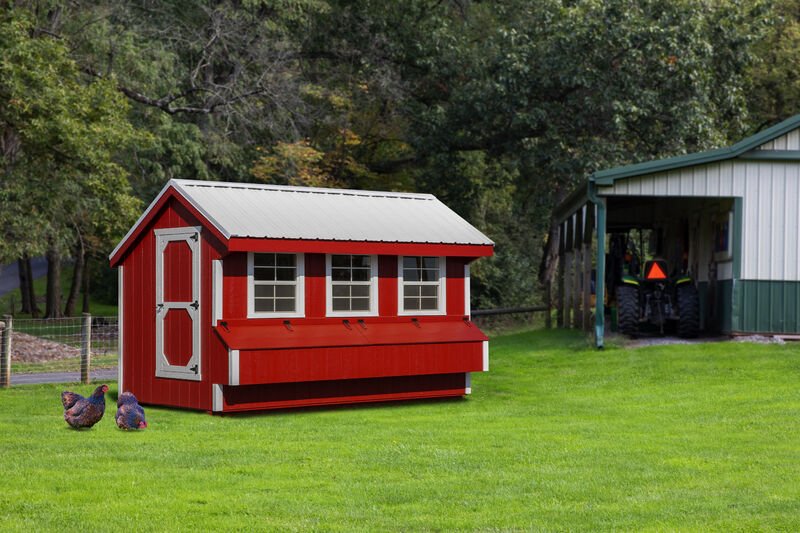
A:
(57, 344)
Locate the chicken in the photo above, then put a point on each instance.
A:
(80, 412)
(130, 414)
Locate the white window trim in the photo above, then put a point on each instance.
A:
(300, 291)
(441, 308)
(373, 291)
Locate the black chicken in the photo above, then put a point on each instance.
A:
(80, 412)
(130, 414)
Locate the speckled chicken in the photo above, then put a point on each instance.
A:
(80, 412)
(130, 414)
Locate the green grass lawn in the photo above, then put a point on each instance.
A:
(556, 436)
(69, 364)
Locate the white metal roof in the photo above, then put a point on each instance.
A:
(281, 212)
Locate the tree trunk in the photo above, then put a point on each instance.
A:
(35, 311)
(53, 308)
(24, 290)
(86, 284)
(77, 279)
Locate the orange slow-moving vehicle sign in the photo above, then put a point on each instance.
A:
(656, 272)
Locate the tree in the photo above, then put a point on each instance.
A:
(60, 179)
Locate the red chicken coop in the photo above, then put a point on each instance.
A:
(236, 297)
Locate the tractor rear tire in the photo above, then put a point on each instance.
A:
(628, 310)
(688, 311)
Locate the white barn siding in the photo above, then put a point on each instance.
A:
(771, 198)
(790, 141)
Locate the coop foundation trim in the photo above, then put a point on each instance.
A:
(233, 367)
(216, 399)
(485, 356)
(467, 383)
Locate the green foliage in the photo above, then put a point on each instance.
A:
(557, 436)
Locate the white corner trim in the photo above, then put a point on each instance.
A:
(120, 327)
(216, 398)
(216, 291)
(299, 292)
(233, 367)
(442, 304)
(485, 356)
(467, 305)
(468, 383)
(373, 291)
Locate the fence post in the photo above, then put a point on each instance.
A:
(86, 347)
(5, 350)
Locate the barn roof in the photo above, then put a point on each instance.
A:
(258, 211)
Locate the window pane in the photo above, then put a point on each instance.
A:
(411, 290)
(360, 290)
(264, 274)
(264, 291)
(411, 304)
(411, 262)
(410, 274)
(340, 261)
(284, 291)
(340, 274)
(430, 275)
(284, 304)
(264, 305)
(285, 260)
(361, 274)
(429, 304)
(361, 260)
(285, 274)
(341, 304)
(341, 291)
(429, 290)
(264, 259)
(360, 304)
(430, 262)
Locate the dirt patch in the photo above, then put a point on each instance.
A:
(663, 341)
(29, 349)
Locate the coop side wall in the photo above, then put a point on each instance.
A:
(138, 331)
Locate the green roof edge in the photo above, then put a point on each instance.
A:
(607, 177)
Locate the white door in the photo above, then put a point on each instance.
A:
(178, 303)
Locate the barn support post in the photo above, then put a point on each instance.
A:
(600, 272)
(577, 317)
(6, 330)
(560, 277)
(587, 267)
(568, 277)
(86, 347)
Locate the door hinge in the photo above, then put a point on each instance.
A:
(194, 369)
(159, 307)
(194, 236)
(194, 305)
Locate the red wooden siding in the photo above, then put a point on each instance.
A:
(387, 285)
(355, 362)
(248, 244)
(139, 321)
(178, 337)
(455, 285)
(287, 395)
(178, 272)
(315, 285)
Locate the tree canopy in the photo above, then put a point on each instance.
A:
(499, 108)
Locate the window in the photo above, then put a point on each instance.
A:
(352, 285)
(275, 285)
(421, 285)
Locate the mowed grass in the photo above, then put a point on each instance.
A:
(556, 436)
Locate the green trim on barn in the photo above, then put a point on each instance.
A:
(767, 307)
(608, 177)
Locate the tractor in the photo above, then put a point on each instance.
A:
(656, 298)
